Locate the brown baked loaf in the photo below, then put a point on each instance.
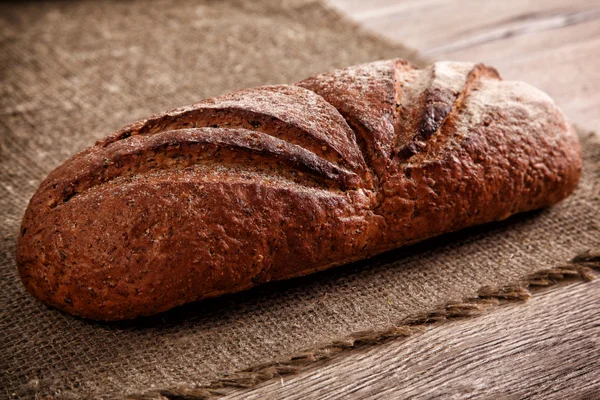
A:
(281, 181)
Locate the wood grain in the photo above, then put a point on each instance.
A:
(546, 348)
(554, 45)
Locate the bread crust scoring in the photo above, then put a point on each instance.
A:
(281, 181)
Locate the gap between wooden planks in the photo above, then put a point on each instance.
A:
(551, 44)
(546, 348)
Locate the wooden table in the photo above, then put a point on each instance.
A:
(548, 348)
(552, 44)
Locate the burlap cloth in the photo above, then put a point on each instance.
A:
(74, 71)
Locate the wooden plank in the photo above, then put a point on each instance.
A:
(429, 24)
(551, 44)
(546, 348)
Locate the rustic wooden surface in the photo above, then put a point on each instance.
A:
(547, 348)
(552, 44)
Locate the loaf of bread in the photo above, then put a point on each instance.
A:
(281, 181)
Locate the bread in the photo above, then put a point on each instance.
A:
(282, 181)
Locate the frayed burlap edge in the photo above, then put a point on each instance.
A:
(580, 268)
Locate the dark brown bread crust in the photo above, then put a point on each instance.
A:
(281, 181)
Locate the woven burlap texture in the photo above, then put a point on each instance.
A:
(74, 71)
